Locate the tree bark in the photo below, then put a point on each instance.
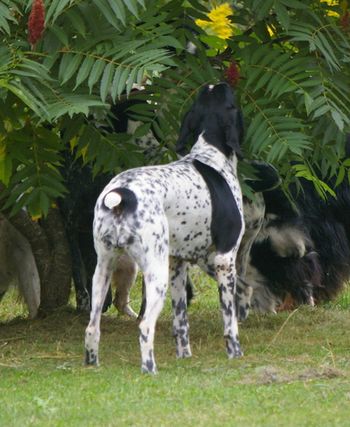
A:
(56, 288)
(50, 247)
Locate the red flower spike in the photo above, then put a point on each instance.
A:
(232, 74)
(36, 22)
(345, 21)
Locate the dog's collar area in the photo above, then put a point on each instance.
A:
(212, 156)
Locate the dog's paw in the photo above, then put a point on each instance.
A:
(91, 358)
(233, 348)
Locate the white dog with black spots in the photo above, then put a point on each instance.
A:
(165, 217)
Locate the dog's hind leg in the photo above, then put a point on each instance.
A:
(178, 279)
(100, 284)
(226, 276)
(156, 283)
(155, 267)
(124, 277)
(79, 276)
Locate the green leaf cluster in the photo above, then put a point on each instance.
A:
(295, 86)
(293, 59)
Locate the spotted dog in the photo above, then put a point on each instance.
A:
(165, 217)
(77, 206)
(266, 178)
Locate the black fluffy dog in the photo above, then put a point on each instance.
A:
(301, 252)
(77, 209)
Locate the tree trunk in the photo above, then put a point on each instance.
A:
(50, 247)
(55, 288)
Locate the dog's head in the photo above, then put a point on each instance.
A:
(266, 177)
(215, 114)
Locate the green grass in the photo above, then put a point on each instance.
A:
(295, 371)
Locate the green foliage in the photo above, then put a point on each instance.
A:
(294, 86)
(172, 93)
(7, 10)
(29, 160)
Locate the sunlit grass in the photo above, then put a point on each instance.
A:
(295, 370)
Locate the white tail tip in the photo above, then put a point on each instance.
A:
(112, 200)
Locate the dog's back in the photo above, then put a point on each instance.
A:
(169, 203)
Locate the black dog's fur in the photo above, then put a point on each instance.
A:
(77, 207)
(303, 252)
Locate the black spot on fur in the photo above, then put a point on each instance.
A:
(90, 357)
(143, 304)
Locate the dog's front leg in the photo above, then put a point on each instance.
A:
(226, 277)
(178, 279)
(100, 284)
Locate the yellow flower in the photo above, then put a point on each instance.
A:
(270, 30)
(219, 25)
(331, 3)
(36, 217)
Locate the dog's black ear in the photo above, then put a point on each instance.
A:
(186, 132)
(234, 132)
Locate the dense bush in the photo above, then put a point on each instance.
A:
(288, 59)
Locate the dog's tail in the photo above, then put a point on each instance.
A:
(121, 200)
(112, 200)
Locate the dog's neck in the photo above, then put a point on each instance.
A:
(212, 156)
(206, 153)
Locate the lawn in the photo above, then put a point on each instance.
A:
(295, 371)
